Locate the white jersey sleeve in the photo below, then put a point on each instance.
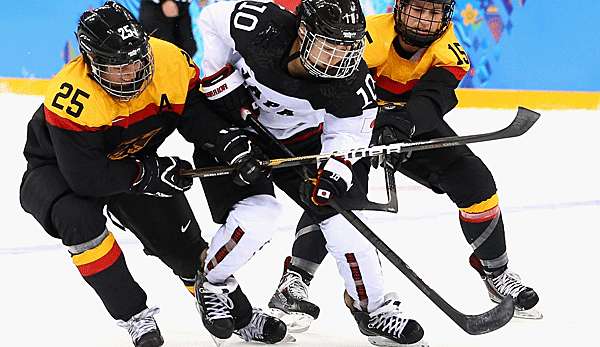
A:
(341, 134)
(218, 45)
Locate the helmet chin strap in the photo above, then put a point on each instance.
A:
(292, 56)
(298, 69)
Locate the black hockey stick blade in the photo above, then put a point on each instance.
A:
(488, 321)
(522, 122)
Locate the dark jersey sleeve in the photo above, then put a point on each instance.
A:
(199, 124)
(431, 98)
(82, 160)
(38, 149)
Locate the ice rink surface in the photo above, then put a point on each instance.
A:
(548, 181)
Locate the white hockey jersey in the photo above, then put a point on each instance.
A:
(256, 38)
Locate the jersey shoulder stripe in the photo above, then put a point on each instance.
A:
(397, 75)
(75, 101)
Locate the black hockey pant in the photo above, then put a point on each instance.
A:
(166, 227)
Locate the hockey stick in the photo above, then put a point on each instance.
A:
(472, 324)
(524, 119)
(392, 195)
(478, 324)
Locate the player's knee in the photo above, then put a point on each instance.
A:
(258, 215)
(77, 220)
(468, 181)
(40, 189)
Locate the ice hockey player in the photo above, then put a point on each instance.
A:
(92, 144)
(417, 63)
(314, 94)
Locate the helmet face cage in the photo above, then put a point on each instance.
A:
(420, 22)
(331, 36)
(324, 57)
(117, 51)
(123, 81)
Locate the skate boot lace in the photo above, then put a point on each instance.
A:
(295, 286)
(254, 330)
(388, 318)
(218, 305)
(508, 283)
(141, 323)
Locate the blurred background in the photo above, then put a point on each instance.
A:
(524, 45)
(542, 54)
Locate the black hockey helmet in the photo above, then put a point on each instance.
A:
(420, 22)
(332, 36)
(116, 48)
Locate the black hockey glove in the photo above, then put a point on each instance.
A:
(159, 176)
(334, 178)
(392, 125)
(229, 96)
(237, 150)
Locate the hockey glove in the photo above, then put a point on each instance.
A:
(159, 176)
(229, 96)
(392, 125)
(237, 150)
(334, 179)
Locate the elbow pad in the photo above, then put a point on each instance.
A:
(228, 95)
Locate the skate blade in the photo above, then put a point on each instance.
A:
(296, 322)
(528, 314)
(384, 341)
(532, 313)
(288, 339)
(218, 342)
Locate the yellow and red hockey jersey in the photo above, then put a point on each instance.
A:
(396, 76)
(92, 136)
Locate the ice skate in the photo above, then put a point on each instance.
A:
(264, 328)
(290, 303)
(387, 326)
(505, 282)
(143, 329)
(214, 305)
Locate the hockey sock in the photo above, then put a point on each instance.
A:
(103, 267)
(484, 230)
(189, 281)
(308, 251)
(189, 284)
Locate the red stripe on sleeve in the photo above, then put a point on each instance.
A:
(458, 72)
(194, 81)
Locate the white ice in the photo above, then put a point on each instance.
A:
(550, 198)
